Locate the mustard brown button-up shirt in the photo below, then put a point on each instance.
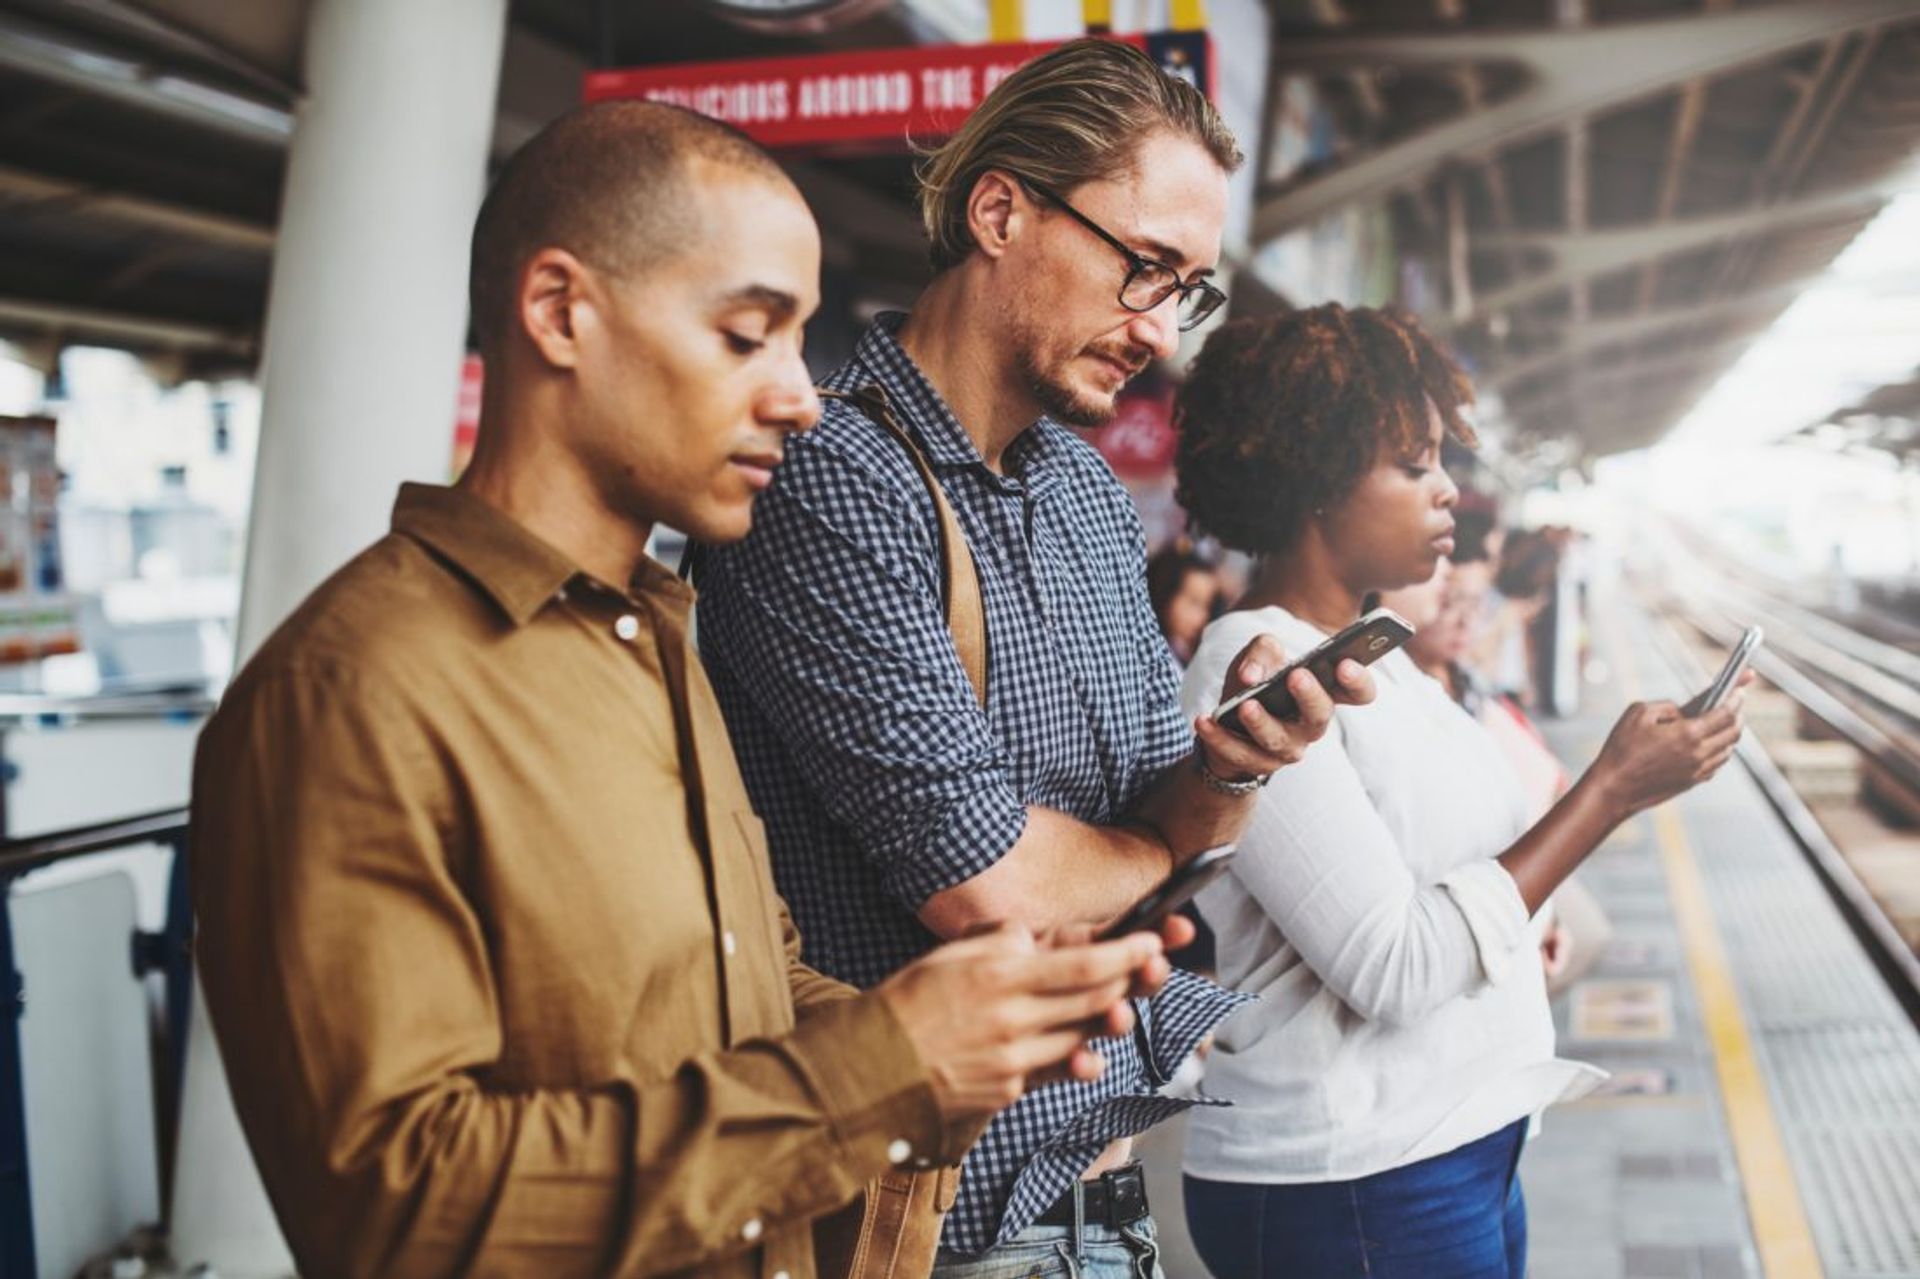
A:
(489, 941)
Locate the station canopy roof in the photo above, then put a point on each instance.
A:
(1617, 196)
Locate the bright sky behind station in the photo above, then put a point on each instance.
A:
(1856, 328)
(1797, 507)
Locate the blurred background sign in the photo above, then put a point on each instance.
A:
(36, 617)
(886, 97)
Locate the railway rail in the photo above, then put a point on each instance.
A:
(1865, 691)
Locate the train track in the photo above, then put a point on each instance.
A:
(1866, 691)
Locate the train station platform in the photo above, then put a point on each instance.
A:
(1763, 1119)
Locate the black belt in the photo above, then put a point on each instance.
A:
(1113, 1199)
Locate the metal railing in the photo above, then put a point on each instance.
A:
(173, 701)
(168, 951)
(18, 856)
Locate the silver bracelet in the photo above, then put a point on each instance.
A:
(1219, 784)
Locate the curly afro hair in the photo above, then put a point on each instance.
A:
(1285, 414)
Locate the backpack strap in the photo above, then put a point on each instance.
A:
(960, 597)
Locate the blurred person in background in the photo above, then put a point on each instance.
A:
(1447, 611)
(1523, 578)
(1381, 902)
(1184, 588)
(1478, 534)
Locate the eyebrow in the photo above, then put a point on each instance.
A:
(1167, 255)
(778, 303)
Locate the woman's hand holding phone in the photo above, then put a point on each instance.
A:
(1656, 751)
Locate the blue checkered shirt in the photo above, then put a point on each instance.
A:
(868, 755)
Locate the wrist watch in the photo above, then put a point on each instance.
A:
(1215, 782)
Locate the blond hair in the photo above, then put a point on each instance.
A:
(1073, 115)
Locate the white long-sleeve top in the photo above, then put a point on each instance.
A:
(1403, 1011)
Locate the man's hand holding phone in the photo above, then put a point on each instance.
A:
(998, 1012)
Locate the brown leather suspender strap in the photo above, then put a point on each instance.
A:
(892, 1231)
(960, 579)
(960, 600)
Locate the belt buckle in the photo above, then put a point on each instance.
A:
(1126, 1195)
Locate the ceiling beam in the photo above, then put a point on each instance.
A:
(1602, 331)
(59, 196)
(1585, 255)
(1648, 368)
(1572, 73)
(1678, 354)
(72, 323)
(159, 25)
(60, 59)
(1661, 397)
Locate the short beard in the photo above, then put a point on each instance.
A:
(1057, 401)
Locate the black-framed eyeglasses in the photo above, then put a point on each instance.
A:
(1148, 283)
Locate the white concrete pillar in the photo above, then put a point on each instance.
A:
(368, 303)
(365, 324)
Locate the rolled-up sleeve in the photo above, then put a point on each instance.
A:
(1496, 915)
(352, 990)
(829, 619)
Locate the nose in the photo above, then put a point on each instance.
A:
(1449, 495)
(1159, 329)
(792, 404)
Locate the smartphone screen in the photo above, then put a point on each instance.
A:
(1365, 641)
(1174, 892)
(1710, 697)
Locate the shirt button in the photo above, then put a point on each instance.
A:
(752, 1231)
(728, 943)
(626, 626)
(899, 1152)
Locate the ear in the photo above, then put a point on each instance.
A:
(995, 211)
(554, 292)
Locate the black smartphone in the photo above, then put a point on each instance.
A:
(1174, 892)
(1710, 697)
(1366, 641)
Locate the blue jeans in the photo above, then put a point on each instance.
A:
(1049, 1252)
(1456, 1216)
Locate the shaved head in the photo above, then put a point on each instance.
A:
(613, 184)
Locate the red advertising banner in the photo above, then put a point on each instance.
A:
(466, 412)
(875, 96)
(1140, 440)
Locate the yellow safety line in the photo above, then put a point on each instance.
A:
(1779, 1219)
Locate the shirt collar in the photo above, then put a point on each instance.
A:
(1031, 459)
(516, 569)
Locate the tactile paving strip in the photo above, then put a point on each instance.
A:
(1841, 1058)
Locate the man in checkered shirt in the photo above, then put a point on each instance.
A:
(1074, 221)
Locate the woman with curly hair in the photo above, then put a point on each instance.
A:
(1383, 1085)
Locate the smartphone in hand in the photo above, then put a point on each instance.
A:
(1710, 697)
(1366, 641)
(1174, 892)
